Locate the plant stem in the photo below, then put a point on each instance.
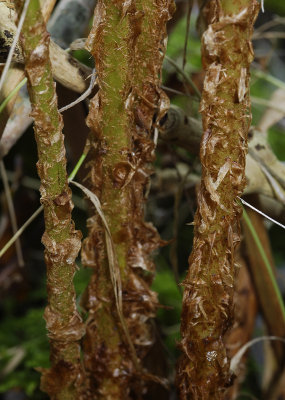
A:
(61, 241)
(203, 370)
(126, 46)
(108, 371)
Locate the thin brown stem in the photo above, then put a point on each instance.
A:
(11, 212)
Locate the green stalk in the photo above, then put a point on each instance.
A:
(11, 94)
(203, 370)
(125, 42)
(77, 166)
(269, 78)
(39, 210)
(61, 241)
(266, 262)
(109, 370)
(262, 271)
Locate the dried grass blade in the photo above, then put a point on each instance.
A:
(12, 213)
(113, 266)
(238, 356)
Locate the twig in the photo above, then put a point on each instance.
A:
(185, 76)
(190, 4)
(11, 94)
(269, 24)
(269, 78)
(15, 41)
(39, 210)
(47, 8)
(238, 356)
(270, 35)
(276, 187)
(11, 212)
(83, 96)
(20, 231)
(267, 103)
(34, 184)
(174, 91)
(261, 213)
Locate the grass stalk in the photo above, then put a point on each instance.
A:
(266, 262)
(11, 94)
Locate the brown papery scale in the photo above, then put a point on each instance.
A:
(127, 41)
(203, 369)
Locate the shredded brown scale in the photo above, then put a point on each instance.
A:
(127, 42)
(203, 370)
